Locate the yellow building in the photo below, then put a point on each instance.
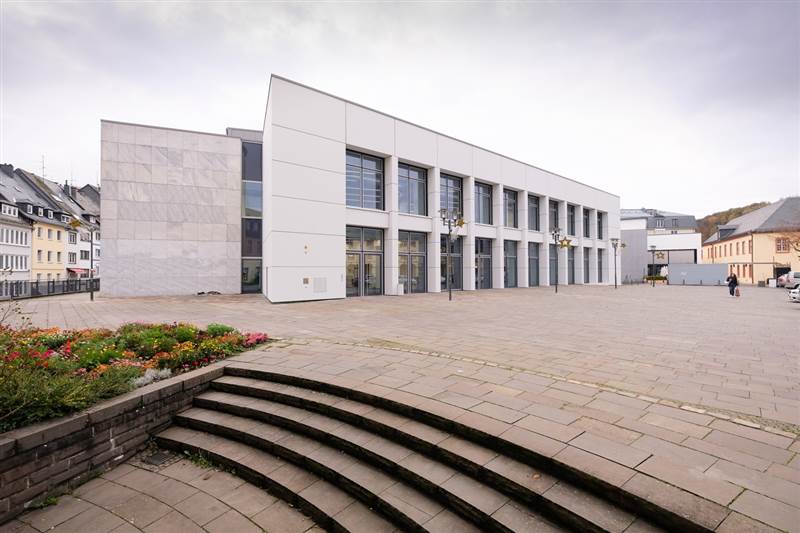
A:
(48, 261)
(759, 245)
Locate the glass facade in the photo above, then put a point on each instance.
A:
(450, 195)
(483, 203)
(553, 207)
(571, 219)
(364, 261)
(413, 252)
(456, 263)
(510, 208)
(533, 264)
(533, 212)
(483, 263)
(251, 161)
(251, 199)
(252, 211)
(586, 252)
(553, 264)
(365, 183)
(413, 187)
(251, 237)
(587, 227)
(510, 264)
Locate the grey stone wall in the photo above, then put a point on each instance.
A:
(635, 256)
(171, 211)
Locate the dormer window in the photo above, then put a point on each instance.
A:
(30, 209)
(49, 213)
(41, 212)
(65, 219)
(91, 219)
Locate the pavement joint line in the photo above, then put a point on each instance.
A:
(649, 399)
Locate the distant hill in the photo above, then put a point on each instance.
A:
(708, 224)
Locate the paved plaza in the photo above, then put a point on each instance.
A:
(684, 384)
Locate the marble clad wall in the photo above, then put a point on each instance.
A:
(171, 211)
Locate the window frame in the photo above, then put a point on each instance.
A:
(481, 195)
(444, 179)
(419, 181)
(381, 171)
(510, 196)
(534, 212)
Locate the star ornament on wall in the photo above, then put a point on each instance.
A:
(564, 243)
(660, 255)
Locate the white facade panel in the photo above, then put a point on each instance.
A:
(415, 144)
(307, 110)
(366, 128)
(455, 156)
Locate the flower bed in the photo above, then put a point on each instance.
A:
(47, 373)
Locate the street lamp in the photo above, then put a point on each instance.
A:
(452, 219)
(616, 244)
(560, 243)
(653, 264)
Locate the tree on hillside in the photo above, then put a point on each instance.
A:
(707, 225)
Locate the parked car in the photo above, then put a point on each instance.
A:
(794, 296)
(792, 280)
(781, 281)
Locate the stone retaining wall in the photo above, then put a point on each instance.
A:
(52, 457)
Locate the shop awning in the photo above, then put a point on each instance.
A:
(77, 270)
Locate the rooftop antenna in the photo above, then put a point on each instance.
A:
(42, 165)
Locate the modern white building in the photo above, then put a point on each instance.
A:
(654, 239)
(333, 199)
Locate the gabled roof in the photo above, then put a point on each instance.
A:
(783, 215)
(31, 190)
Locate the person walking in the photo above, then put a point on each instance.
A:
(733, 283)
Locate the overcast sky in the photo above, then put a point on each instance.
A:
(689, 107)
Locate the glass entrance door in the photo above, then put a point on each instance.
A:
(364, 261)
(413, 251)
(456, 264)
(533, 264)
(483, 263)
(571, 266)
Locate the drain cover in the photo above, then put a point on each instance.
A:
(157, 458)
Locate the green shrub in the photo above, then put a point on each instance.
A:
(218, 330)
(185, 333)
(92, 353)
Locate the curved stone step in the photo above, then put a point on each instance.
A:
(329, 506)
(411, 499)
(426, 459)
(588, 478)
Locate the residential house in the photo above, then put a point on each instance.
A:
(15, 237)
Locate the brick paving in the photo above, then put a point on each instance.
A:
(687, 385)
(179, 496)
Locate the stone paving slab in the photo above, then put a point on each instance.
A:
(177, 497)
(683, 383)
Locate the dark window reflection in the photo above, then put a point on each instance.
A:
(251, 237)
(251, 161)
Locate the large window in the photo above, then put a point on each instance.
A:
(456, 262)
(251, 237)
(413, 189)
(251, 275)
(533, 212)
(483, 203)
(364, 180)
(533, 264)
(571, 265)
(450, 194)
(586, 252)
(599, 225)
(553, 264)
(553, 206)
(510, 208)
(251, 199)
(364, 261)
(413, 250)
(587, 230)
(599, 265)
(510, 263)
(571, 219)
(251, 161)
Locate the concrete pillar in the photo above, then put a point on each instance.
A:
(391, 257)
(578, 242)
(498, 257)
(522, 247)
(593, 259)
(468, 233)
(434, 240)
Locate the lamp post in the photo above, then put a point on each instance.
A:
(452, 219)
(616, 244)
(653, 264)
(560, 243)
